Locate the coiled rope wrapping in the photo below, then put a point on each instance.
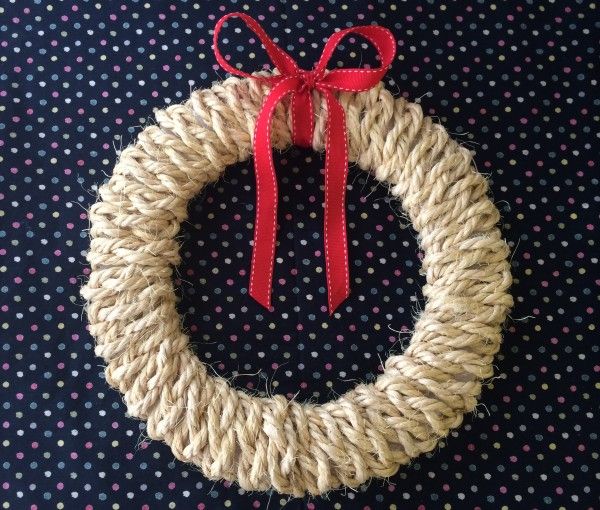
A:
(272, 442)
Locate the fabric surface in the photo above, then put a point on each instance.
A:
(513, 81)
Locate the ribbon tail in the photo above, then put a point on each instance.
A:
(265, 224)
(336, 172)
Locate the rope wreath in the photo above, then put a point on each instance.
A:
(264, 443)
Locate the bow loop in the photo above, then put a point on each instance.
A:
(300, 83)
(278, 56)
(360, 78)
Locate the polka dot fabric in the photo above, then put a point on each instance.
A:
(514, 81)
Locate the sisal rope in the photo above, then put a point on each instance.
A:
(264, 443)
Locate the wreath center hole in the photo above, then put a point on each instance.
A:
(297, 349)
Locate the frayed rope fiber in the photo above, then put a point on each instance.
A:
(264, 443)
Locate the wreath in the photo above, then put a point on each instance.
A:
(264, 443)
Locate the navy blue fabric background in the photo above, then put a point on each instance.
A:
(515, 81)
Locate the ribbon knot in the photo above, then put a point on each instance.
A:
(309, 80)
(300, 83)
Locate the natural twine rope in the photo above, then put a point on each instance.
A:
(273, 442)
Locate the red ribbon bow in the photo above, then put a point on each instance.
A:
(300, 83)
